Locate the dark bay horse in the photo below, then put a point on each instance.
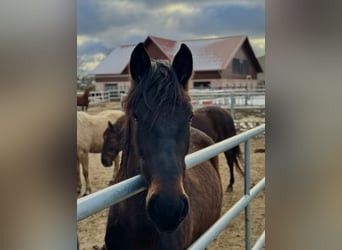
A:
(178, 205)
(219, 125)
(212, 120)
(113, 141)
(83, 100)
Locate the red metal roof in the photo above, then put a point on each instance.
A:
(116, 61)
(166, 46)
(208, 54)
(214, 53)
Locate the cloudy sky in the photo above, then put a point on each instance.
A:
(105, 24)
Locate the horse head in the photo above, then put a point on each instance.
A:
(159, 111)
(112, 142)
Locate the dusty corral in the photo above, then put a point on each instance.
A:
(91, 231)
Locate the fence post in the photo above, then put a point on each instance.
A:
(232, 103)
(248, 232)
(246, 97)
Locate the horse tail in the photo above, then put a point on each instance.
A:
(237, 155)
(238, 159)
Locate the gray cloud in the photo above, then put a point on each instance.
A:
(88, 52)
(225, 20)
(124, 22)
(155, 4)
(94, 17)
(91, 47)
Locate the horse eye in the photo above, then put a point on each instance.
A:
(135, 117)
(190, 117)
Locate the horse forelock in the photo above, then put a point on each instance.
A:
(159, 90)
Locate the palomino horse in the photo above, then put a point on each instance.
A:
(178, 205)
(89, 140)
(214, 121)
(83, 100)
(219, 125)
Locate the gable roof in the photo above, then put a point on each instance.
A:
(116, 61)
(167, 46)
(215, 53)
(208, 54)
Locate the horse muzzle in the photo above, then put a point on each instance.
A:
(106, 162)
(167, 213)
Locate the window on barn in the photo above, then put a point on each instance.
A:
(201, 85)
(236, 66)
(240, 66)
(245, 67)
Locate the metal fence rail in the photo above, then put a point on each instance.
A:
(203, 241)
(260, 243)
(104, 198)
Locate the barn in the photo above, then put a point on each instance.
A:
(223, 62)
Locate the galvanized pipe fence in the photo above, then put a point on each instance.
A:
(106, 197)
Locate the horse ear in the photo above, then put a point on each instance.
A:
(140, 62)
(182, 65)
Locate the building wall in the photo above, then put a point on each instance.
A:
(206, 75)
(226, 78)
(261, 76)
(242, 55)
(123, 86)
(99, 86)
(228, 83)
(218, 79)
(111, 79)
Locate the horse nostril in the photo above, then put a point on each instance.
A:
(184, 208)
(152, 207)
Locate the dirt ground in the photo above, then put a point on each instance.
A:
(91, 230)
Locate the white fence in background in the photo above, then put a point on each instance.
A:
(232, 99)
(229, 98)
(98, 97)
